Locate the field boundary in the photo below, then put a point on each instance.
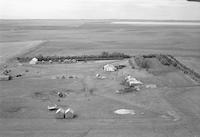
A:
(171, 60)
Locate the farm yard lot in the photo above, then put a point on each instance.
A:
(171, 109)
(24, 101)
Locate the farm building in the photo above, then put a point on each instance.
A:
(109, 67)
(132, 81)
(69, 113)
(33, 61)
(60, 113)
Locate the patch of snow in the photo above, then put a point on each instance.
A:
(124, 111)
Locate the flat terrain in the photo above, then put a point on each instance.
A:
(90, 37)
(12, 49)
(172, 109)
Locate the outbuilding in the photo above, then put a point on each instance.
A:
(60, 113)
(33, 61)
(133, 81)
(109, 67)
(69, 113)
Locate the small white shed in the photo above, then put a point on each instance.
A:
(33, 61)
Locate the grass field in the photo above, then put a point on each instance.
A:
(172, 109)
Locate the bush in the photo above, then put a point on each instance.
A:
(131, 64)
(142, 62)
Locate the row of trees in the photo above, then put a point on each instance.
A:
(185, 69)
(164, 59)
(167, 60)
(55, 58)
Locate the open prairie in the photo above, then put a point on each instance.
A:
(95, 36)
(171, 108)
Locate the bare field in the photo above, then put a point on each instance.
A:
(172, 109)
(12, 49)
(87, 37)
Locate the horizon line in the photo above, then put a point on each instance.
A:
(102, 19)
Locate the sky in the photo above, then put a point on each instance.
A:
(100, 9)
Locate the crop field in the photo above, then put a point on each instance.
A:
(167, 104)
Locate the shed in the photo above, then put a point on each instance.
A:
(60, 113)
(33, 61)
(133, 81)
(69, 113)
(109, 67)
